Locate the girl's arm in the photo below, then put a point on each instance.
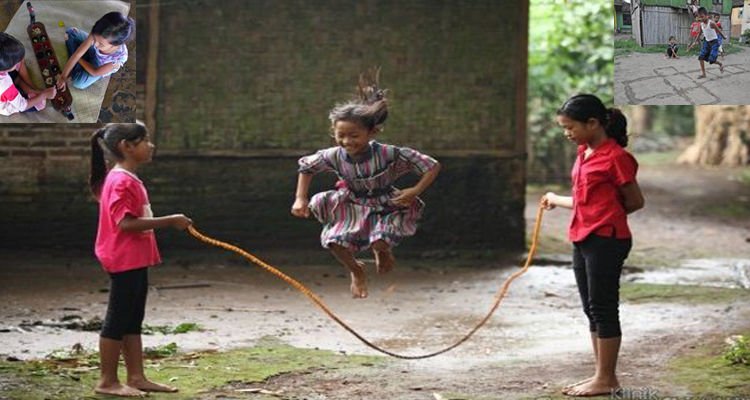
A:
(80, 51)
(632, 197)
(551, 200)
(132, 224)
(299, 208)
(406, 196)
(94, 71)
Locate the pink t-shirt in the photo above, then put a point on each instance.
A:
(124, 194)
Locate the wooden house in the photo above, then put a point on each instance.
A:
(654, 21)
(622, 16)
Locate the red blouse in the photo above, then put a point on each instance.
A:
(597, 202)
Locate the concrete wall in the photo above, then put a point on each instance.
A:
(244, 89)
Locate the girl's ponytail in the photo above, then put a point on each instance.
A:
(98, 164)
(369, 108)
(104, 145)
(617, 126)
(583, 107)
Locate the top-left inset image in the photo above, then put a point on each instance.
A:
(67, 61)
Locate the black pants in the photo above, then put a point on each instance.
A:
(597, 263)
(127, 304)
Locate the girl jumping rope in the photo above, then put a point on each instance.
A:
(605, 190)
(366, 211)
(99, 54)
(126, 248)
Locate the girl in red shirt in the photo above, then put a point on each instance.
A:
(604, 192)
(126, 247)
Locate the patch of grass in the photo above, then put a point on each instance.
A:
(193, 373)
(648, 292)
(628, 46)
(732, 210)
(705, 372)
(167, 350)
(738, 351)
(658, 158)
(184, 327)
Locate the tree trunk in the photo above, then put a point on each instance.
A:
(722, 136)
(641, 120)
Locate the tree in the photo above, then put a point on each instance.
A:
(722, 136)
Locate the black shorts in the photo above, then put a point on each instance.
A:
(127, 304)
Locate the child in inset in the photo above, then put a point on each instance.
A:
(366, 211)
(98, 54)
(710, 49)
(17, 94)
(672, 48)
(717, 20)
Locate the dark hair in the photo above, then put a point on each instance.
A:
(702, 10)
(671, 37)
(583, 107)
(114, 27)
(104, 143)
(369, 108)
(11, 51)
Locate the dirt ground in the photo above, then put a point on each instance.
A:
(536, 343)
(642, 78)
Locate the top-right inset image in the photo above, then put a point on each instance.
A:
(682, 52)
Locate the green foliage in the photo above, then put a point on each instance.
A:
(570, 51)
(628, 46)
(184, 327)
(167, 350)
(739, 351)
(746, 37)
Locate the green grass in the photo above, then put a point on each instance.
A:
(658, 158)
(628, 46)
(184, 327)
(648, 293)
(192, 373)
(734, 210)
(705, 372)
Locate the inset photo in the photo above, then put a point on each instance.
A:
(67, 61)
(682, 52)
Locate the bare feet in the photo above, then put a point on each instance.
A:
(721, 68)
(567, 388)
(594, 387)
(359, 281)
(148, 386)
(701, 76)
(118, 389)
(384, 260)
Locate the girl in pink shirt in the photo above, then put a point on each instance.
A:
(126, 247)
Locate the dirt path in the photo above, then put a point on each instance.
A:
(536, 343)
(645, 78)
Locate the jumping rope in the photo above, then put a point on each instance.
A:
(318, 302)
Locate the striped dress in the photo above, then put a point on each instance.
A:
(360, 212)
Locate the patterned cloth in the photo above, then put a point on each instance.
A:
(360, 211)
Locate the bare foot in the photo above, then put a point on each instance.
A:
(359, 281)
(148, 386)
(568, 387)
(384, 260)
(721, 68)
(118, 389)
(594, 387)
(701, 76)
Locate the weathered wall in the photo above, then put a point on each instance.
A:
(244, 89)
